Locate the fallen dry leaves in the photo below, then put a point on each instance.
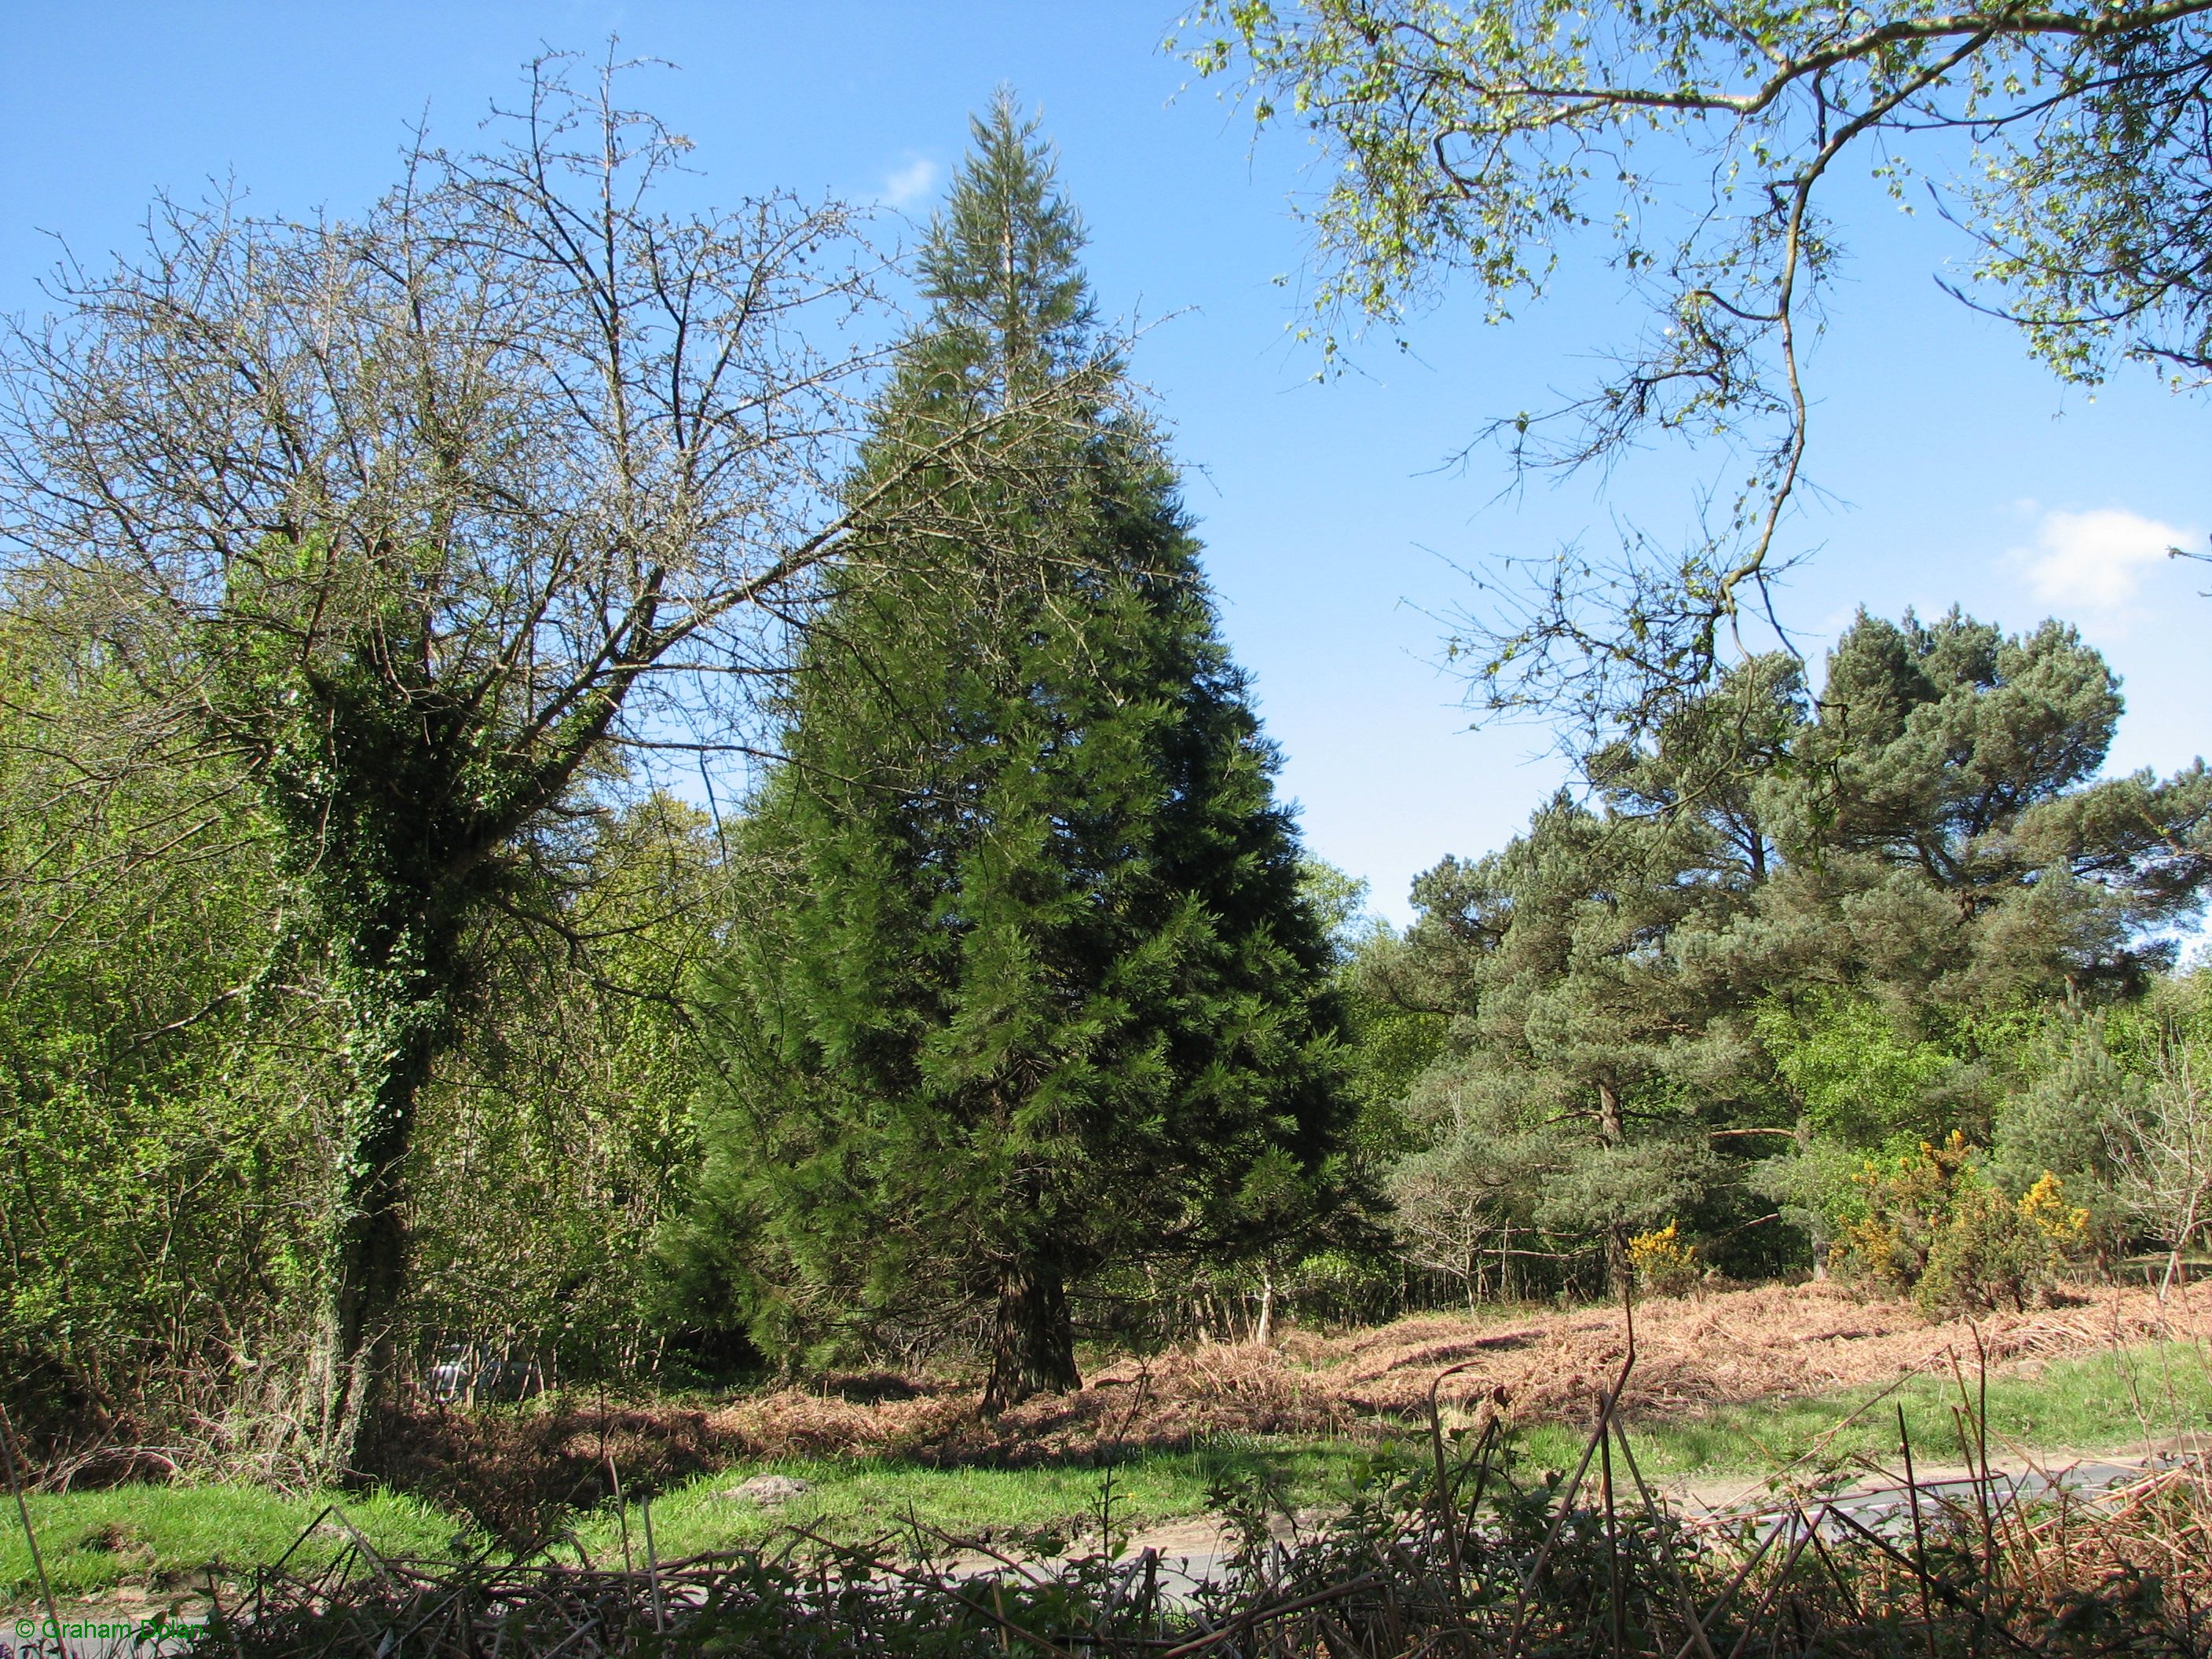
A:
(512, 1470)
(1729, 1346)
(1712, 1349)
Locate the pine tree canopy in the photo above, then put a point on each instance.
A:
(1030, 993)
(1664, 977)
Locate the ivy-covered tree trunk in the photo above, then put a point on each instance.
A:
(401, 1019)
(1032, 1337)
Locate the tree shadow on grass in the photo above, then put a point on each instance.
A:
(523, 1472)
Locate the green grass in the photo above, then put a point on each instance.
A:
(1042, 1506)
(2106, 1402)
(165, 1536)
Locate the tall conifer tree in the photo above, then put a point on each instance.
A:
(1032, 992)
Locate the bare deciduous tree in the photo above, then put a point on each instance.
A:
(428, 520)
(2161, 1141)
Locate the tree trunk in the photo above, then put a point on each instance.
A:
(1816, 1229)
(365, 1257)
(2180, 1242)
(1032, 1337)
(1613, 1131)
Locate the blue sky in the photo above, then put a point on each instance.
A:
(1959, 472)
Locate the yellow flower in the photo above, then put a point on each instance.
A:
(2045, 1205)
(1662, 1262)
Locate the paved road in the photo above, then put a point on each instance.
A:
(1880, 1503)
(1191, 1552)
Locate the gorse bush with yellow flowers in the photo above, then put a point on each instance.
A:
(1931, 1224)
(1663, 1263)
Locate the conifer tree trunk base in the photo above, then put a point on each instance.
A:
(1619, 1267)
(1032, 1340)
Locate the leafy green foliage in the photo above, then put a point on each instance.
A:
(1386, 1045)
(1860, 1080)
(162, 1076)
(1691, 148)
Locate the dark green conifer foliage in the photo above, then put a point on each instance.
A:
(1031, 991)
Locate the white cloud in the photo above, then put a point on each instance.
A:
(904, 186)
(2094, 561)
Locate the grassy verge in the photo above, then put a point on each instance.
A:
(2114, 1401)
(2106, 1402)
(160, 1536)
(1041, 1507)
(166, 1537)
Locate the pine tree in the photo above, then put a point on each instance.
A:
(1554, 1092)
(1782, 922)
(1032, 992)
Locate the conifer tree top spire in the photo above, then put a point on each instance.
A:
(1000, 267)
